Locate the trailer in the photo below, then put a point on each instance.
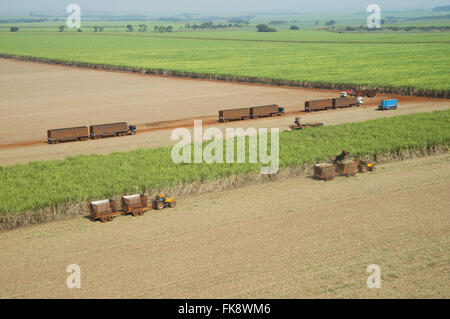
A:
(111, 129)
(363, 93)
(347, 167)
(104, 210)
(68, 134)
(370, 92)
(234, 114)
(324, 171)
(318, 105)
(135, 204)
(343, 102)
(388, 104)
(266, 111)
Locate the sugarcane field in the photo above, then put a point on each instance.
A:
(273, 154)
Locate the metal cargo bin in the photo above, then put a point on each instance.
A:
(67, 134)
(265, 110)
(345, 102)
(318, 105)
(347, 167)
(234, 114)
(388, 104)
(134, 201)
(370, 92)
(108, 129)
(102, 207)
(324, 171)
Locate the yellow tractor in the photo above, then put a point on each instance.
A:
(161, 201)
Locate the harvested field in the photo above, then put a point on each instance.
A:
(37, 97)
(223, 245)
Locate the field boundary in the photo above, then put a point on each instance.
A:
(444, 94)
(71, 210)
(269, 40)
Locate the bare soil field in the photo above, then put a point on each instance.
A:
(37, 97)
(263, 241)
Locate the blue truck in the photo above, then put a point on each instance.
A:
(388, 104)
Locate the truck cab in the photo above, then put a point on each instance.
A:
(132, 129)
(360, 100)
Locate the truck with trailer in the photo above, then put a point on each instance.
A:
(363, 93)
(388, 104)
(318, 105)
(68, 134)
(234, 114)
(266, 111)
(111, 129)
(343, 102)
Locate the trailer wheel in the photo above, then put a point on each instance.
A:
(141, 212)
(110, 218)
(104, 219)
(134, 214)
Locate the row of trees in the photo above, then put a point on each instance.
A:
(265, 28)
(156, 28)
(211, 25)
(395, 28)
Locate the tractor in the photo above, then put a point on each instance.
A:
(161, 201)
(365, 166)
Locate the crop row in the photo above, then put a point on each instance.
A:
(81, 178)
(327, 65)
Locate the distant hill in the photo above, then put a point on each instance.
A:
(441, 8)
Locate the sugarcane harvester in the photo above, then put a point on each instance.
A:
(298, 125)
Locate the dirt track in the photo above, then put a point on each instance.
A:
(260, 241)
(36, 97)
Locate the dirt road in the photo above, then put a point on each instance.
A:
(36, 97)
(294, 238)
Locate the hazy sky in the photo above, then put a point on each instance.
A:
(148, 7)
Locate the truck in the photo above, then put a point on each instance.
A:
(111, 129)
(234, 114)
(363, 93)
(388, 104)
(68, 134)
(104, 210)
(347, 102)
(318, 105)
(135, 204)
(266, 110)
